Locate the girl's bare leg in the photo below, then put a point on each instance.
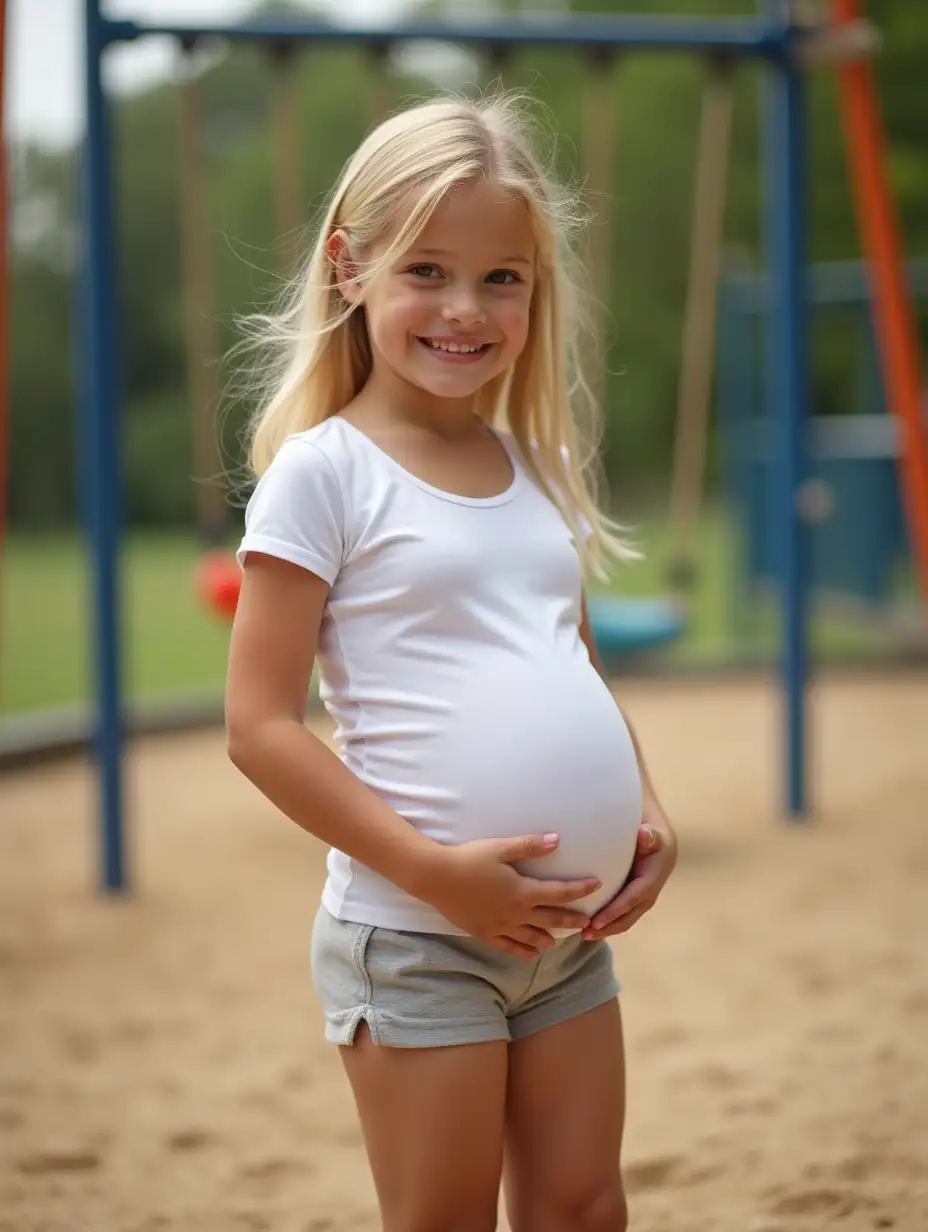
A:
(433, 1121)
(565, 1116)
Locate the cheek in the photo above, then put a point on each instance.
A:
(393, 318)
(405, 310)
(512, 316)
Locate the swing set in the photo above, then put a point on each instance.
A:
(784, 46)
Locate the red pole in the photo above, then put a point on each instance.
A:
(897, 331)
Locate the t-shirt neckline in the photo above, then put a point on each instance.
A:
(501, 498)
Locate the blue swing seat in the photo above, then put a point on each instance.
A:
(624, 626)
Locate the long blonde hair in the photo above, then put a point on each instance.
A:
(320, 353)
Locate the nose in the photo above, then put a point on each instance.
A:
(463, 306)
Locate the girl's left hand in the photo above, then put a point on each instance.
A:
(655, 857)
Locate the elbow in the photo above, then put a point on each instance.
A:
(240, 740)
(250, 738)
(235, 748)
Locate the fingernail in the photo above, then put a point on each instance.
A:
(550, 839)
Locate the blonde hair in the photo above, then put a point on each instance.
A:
(320, 342)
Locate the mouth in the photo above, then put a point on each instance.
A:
(456, 352)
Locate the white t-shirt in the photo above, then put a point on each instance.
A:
(451, 663)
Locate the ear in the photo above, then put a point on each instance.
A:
(338, 251)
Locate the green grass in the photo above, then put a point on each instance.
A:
(719, 627)
(173, 647)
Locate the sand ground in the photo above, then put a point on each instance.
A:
(162, 1064)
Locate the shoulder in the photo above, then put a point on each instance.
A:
(320, 448)
(554, 471)
(323, 459)
(533, 456)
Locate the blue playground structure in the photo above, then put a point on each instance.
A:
(771, 40)
(857, 535)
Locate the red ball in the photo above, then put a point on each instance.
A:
(219, 583)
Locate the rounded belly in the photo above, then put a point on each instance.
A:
(537, 749)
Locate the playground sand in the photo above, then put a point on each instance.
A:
(162, 1064)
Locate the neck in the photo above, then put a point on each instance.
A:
(399, 401)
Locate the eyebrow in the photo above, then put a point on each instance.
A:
(444, 252)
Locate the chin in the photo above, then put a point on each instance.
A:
(447, 389)
(458, 384)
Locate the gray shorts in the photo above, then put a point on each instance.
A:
(424, 990)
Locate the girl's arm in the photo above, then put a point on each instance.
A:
(272, 650)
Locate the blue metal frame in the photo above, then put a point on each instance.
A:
(769, 37)
(784, 168)
(834, 282)
(736, 36)
(103, 456)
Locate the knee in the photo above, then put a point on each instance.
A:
(607, 1212)
(602, 1210)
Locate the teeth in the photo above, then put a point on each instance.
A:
(453, 348)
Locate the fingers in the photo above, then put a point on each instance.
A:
(621, 925)
(629, 900)
(559, 917)
(527, 847)
(526, 942)
(529, 934)
(508, 946)
(555, 893)
(649, 840)
(635, 900)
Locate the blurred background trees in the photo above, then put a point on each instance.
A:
(656, 111)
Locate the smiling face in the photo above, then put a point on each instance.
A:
(453, 312)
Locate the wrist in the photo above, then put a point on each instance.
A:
(423, 867)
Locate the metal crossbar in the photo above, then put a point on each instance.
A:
(745, 37)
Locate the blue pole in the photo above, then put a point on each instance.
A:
(784, 225)
(102, 454)
(729, 35)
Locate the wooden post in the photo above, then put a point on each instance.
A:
(599, 160)
(699, 322)
(285, 138)
(202, 343)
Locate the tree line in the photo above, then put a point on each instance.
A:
(651, 104)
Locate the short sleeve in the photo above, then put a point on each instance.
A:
(296, 511)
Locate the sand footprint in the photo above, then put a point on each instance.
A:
(837, 1203)
(759, 1103)
(651, 1173)
(658, 1041)
(76, 1160)
(273, 1169)
(190, 1140)
(715, 1077)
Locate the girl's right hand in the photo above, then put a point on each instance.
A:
(475, 886)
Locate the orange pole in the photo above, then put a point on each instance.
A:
(4, 377)
(897, 331)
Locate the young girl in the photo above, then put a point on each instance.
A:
(420, 525)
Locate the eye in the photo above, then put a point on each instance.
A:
(424, 271)
(503, 277)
